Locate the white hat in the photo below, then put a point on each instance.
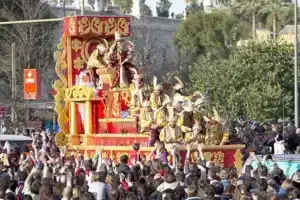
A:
(178, 86)
(158, 87)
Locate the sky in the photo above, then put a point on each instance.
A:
(177, 6)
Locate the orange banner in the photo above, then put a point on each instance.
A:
(31, 84)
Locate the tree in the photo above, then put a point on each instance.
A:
(254, 82)
(35, 43)
(145, 9)
(249, 7)
(179, 16)
(210, 35)
(193, 7)
(274, 8)
(163, 7)
(125, 5)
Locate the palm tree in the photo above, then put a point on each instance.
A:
(275, 8)
(248, 7)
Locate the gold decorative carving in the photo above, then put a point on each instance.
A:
(218, 158)
(115, 105)
(61, 139)
(110, 26)
(84, 26)
(60, 85)
(207, 155)
(76, 45)
(238, 157)
(85, 47)
(79, 92)
(125, 95)
(108, 75)
(97, 26)
(123, 26)
(72, 25)
(78, 63)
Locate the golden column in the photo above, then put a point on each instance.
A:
(73, 120)
(88, 118)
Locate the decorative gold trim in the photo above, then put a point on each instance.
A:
(70, 64)
(117, 120)
(238, 159)
(129, 148)
(123, 26)
(85, 47)
(110, 26)
(119, 136)
(77, 92)
(76, 45)
(78, 63)
(97, 26)
(60, 86)
(72, 25)
(84, 26)
(73, 120)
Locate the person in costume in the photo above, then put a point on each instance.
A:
(160, 104)
(121, 54)
(147, 117)
(195, 136)
(214, 134)
(171, 134)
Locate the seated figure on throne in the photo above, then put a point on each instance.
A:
(115, 62)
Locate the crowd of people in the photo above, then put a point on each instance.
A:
(45, 173)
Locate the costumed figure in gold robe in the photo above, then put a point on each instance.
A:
(195, 136)
(97, 60)
(171, 134)
(160, 104)
(148, 124)
(137, 92)
(214, 134)
(146, 117)
(120, 55)
(186, 119)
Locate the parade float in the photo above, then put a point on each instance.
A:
(102, 101)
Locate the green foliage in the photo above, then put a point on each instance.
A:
(163, 7)
(193, 7)
(125, 5)
(179, 16)
(255, 81)
(35, 42)
(208, 33)
(145, 9)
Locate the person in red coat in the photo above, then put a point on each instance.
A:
(134, 155)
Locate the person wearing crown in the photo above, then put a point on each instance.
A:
(121, 54)
(160, 104)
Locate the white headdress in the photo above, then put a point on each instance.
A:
(179, 85)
